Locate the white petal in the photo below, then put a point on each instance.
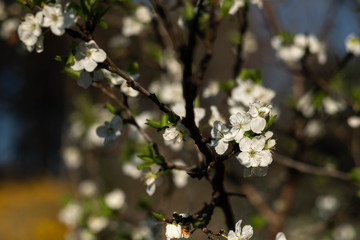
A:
(238, 228)
(221, 147)
(280, 236)
(245, 144)
(99, 56)
(257, 124)
(150, 189)
(244, 159)
(231, 235)
(247, 232)
(89, 65)
(116, 122)
(84, 80)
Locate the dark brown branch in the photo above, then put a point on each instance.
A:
(242, 17)
(166, 27)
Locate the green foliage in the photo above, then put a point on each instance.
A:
(167, 120)
(110, 107)
(287, 37)
(158, 216)
(150, 158)
(355, 175)
(225, 7)
(133, 68)
(257, 221)
(356, 94)
(188, 12)
(250, 74)
(235, 37)
(71, 73)
(269, 122)
(227, 86)
(318, 99)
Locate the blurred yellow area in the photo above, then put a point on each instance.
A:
(29, 209)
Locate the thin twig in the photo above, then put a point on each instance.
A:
(306, 168)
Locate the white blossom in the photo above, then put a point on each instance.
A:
(29, 30)
(176, 134)
(150, 183)
(241, 234)
(87, 188)
(86, 78)
(115, 199)
(175, 231)
(199, 113)
(240, 124)
(219, 141)
(72, 157)
(352, 44)
(143, 14)
(305, 105)
(353, 121)
(326, 205)
(252, 152)
(87, 56)
(97, 223)
(129, 168)
(54, 18)
(313, 128)
(280, 236)
(333, 106)
(110, 130)
(70, 215)
(211, 90)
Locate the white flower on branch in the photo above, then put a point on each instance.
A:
(71, 214)
(258, 114)
(29, 31)
(176, 134)
(353, 121)
(87, 56)
(97, 223)
(115, 199)
(241, 234)
(240, 124)
(219, 133)
(110, 130)
(58, 20)
(352, 44)
(175, 231)
(134, 25)
(253, 153)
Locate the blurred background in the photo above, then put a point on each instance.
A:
(44, 113)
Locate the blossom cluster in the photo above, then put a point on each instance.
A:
(248, 130)
(135, 24)
(330, 105)
(51, 16)
(246, 92)
(291, 48)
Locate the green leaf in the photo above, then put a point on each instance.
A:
(133, 68)
(61, 58)
(164, 120)
(72, 73)
(153, 124)
(159, 159)
(225, 7)
(189, 11)
(103, 24)
(269, 121)
(146, 158)
(228, 85)
(257, 221)
(110, 107)
(355, 175)
(158, 216)
(172, 118)
(250, 74)
(144, 165)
